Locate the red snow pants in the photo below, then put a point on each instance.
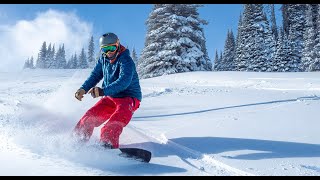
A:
(118, 112)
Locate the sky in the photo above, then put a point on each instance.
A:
(195, 124)
(24, 27)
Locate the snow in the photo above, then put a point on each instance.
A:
(194, 123)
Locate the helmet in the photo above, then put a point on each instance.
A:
(108, 38)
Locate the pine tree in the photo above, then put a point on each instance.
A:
(63, 61)
(216, 62)
(296, 17)
(48, 60)
(42, 56)
(134, 56)
(31, 63)
(274, 28)
(315, 13)
(239, 45)
(309, 37)
(203, 62)
(220, 60)
(83, 64)
(91, 59)
(69, 63)
(227, 63)
(52, 59)
(174, 42)
(285, 25)
(58, 57)
(282, 58)
(269, 44)
(54, 63)
(74, 62)
(258, 26)
(26, 64)
(255, 45)
(246, 40)
(315, 65)
(207, 64)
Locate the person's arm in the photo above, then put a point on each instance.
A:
(94, 78)
(124, 80)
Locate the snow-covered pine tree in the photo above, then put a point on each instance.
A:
(58, 57)
(216, 62)
(279, 51)
(42, 56)
(256, 47)
(68, 65)
(239, 29)
(74, 62)
(261, 45)
(195, 34)
(31, 63)
(239, 45)
(83, 64)
(309, 37)
(227, 63)
(282, 58)
(269, 46)
(274, 28)
(63, 60)
(52, 58)
(152, 43)
(26, 64)
(296, 16)
(48, 60)
(174, 42)
(220, 60)
(315, 14)
(285, 19)
(207, 62)
(315, 65)
(134, 56)
(91, 59)
(245, 39)
(54, 63)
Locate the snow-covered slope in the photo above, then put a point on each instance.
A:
(196, 123)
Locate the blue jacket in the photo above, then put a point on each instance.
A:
(120, 79)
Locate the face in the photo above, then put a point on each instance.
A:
(110, 50)
(110, 54)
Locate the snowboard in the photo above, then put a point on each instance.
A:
(136, 153)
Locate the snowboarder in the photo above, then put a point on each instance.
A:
(120, 93)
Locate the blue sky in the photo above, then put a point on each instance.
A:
(128, 20)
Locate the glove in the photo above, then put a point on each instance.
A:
(96, 92)
(79, 94)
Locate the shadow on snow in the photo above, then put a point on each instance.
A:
(196, 146)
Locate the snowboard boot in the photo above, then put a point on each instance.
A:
(107, 145)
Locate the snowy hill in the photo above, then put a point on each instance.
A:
(196, 123)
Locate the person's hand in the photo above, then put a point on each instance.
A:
(79, 94)
(96, 92)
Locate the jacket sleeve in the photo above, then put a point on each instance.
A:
(94, 78)
(124, 80)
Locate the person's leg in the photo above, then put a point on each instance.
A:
(125, 107)
(94, 117)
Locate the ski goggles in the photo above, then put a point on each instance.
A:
(109, 48)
